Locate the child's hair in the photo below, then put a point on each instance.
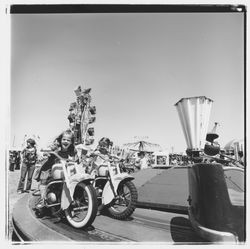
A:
(106, 142)
(58, 141)
(31, 141)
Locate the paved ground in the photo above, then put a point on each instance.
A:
(13, 196)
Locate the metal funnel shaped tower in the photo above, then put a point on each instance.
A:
(194, 114)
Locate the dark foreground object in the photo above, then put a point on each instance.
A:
(217, 209)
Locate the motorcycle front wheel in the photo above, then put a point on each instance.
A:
(82, 212)
(125, 202)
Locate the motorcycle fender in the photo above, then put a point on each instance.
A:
(124, 176)
(67, 193)
(108, 194)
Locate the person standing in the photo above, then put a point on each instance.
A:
(143, 161)
(11, 160)
(29, 158)
(18, 160)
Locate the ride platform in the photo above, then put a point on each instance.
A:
(163, 189)
(162, 195)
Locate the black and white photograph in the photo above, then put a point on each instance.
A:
(126, 125)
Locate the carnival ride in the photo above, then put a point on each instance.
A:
(116, 192)
(69, 193)
(142, 145)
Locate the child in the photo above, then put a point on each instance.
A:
(102, 149)
(28, 166)
(64, 146)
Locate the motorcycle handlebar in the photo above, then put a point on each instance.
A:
(110, 158)
(56, 154)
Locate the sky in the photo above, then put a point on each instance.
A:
(138, 66)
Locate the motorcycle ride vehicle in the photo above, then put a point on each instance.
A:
(70, 193)
(116, 193)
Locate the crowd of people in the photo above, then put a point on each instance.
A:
(178, 159)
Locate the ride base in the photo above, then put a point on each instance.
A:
(163, 190)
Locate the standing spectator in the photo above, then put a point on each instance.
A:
(29, 158)
(11, 160)
(18, 160)
(143, 161)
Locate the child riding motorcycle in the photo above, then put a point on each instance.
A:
(64, 146)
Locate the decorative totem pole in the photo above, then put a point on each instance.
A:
(81, 116)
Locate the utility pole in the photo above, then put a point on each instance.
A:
(13, 141)
(172, 148)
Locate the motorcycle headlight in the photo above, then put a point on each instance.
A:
(51, 198)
